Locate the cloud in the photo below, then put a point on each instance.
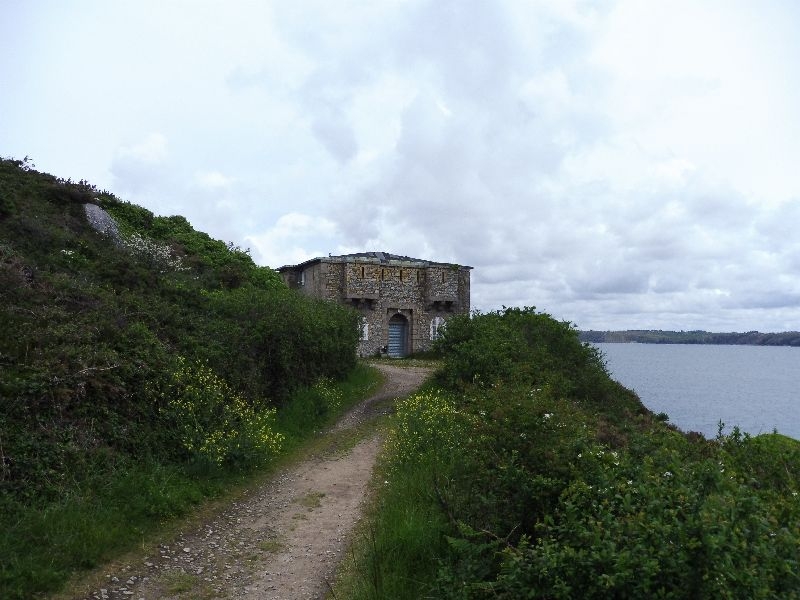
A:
(616, 164)
(140, 165)
(335, 132)
(295, 237)
(151, 151)
(212, 180)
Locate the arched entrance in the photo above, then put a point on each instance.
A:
(398, 336)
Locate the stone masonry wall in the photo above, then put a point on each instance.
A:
(381, 289)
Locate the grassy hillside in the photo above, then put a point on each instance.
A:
(135, 374)
(526, 472)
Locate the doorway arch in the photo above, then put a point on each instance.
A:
(398, 336)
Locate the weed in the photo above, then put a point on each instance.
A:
(178, 582)
(311, 500)
(273, 546)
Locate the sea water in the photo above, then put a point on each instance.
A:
(756, 388)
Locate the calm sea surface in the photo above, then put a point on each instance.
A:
(754, 387)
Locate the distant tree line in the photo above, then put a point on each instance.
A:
(643, 336)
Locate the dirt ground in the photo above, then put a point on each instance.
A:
(282, 540)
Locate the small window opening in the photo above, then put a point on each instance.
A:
(437, 326)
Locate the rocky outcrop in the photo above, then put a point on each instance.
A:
(102, 222)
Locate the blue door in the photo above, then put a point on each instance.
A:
(398, 334)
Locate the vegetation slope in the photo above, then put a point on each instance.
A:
(524, 471)
(138, 375)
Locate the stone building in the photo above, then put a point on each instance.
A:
(403, 301)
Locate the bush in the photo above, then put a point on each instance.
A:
(212, 422)
(550, 481)
(426, 427)
(520, 345)
(92, 392)
(88, 332)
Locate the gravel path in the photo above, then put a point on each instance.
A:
(285, 539)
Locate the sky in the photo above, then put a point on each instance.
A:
(618, 164)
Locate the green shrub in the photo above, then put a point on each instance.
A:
(550, 481)
(426, 427)
(214, 423)
(520, 345)
(89, 332)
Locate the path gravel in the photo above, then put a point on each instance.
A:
(282, 541)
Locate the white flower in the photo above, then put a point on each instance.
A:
(667, 473)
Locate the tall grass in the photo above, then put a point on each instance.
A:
(43, 544)
(399, 544)
(396, 555)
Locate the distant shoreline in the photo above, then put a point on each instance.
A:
(649, 336)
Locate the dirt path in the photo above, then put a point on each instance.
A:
(283, 540)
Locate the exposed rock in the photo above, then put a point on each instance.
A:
(102, 222)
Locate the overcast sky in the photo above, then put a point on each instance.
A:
(617, 164)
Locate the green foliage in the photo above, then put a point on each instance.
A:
(121, 504)
(42, 545)
(173, 243)
(547, 480)
(658, 527)
(400, 548)
(282, 340)
(90, 332)
(89, 328)
(214, 423)
(427, 426)
(520, 345)
(129, 217)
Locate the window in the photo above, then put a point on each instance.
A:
(364, 330)
(437, 326)
(301, 278)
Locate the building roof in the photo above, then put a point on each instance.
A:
(372, 257)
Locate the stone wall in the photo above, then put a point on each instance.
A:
(421, 291)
